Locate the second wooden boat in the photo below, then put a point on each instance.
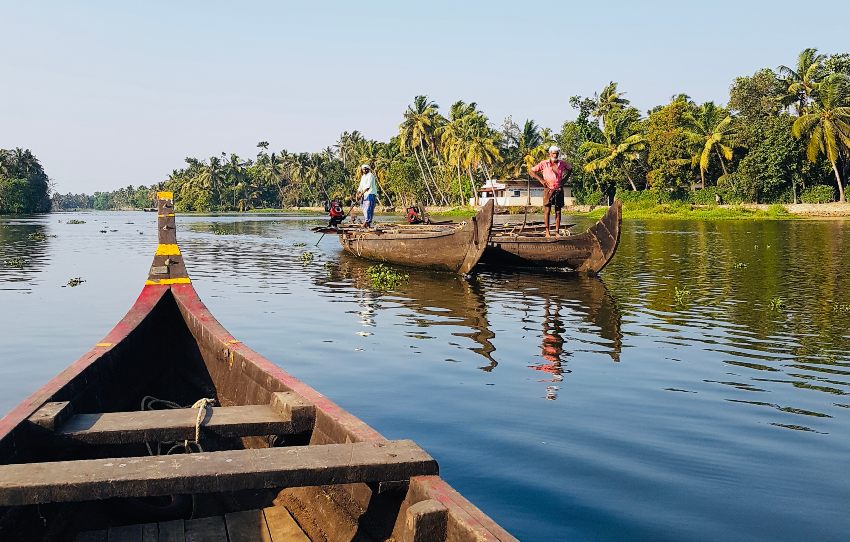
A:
(101, 452)
(587, 252)
(456, 248)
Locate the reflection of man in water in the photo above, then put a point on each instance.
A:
(552, 347)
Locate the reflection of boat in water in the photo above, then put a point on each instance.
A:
(437, 300)
(80, 457)
(588, 252)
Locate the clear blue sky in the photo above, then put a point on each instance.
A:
(108, 94)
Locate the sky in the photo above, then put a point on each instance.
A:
(110, 94)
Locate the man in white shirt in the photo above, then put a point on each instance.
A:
(368, 189)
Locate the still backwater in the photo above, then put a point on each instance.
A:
(698, 391)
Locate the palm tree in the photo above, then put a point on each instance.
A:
(623, 144)
(803, 81)
(608, 100)
(529, 140)
(710, 132)
(418, 131)
(827, 127)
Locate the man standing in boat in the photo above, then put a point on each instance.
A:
(555, 174)
(368, 189)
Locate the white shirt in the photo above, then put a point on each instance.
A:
(368, 184)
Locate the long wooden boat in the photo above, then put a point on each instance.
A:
(455, 248)
(587, 252)
(272, 460)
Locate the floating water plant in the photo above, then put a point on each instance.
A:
(776, 304)
(841, 307)
(76, 281)
(306, 257)
(682, 295)
(75, 221)
(37, 236)
(386, 278)
(299, 244)
(16, 262)
(740, 265)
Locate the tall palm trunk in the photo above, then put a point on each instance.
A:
(722, 164)
(459, 184)
(428, 166)
(838, 180)
(424, 178)
(472, 183)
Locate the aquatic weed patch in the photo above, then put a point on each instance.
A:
(74, 282)
(306, 257)
(75, 221)
(17, 262)
(386, 278)
(776, 304)
(682, 296)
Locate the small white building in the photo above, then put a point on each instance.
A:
(515, 193)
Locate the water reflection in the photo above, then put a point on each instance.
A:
(570, 313)
(433, 299)
(24, 251)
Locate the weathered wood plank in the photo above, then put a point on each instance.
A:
(92, 536)
(125, 533)
(175, 424)
(247, 526)
(295, 408)
(209, 529)
(282, 526)
(150, 532)
(51, 415)
(425, 521)
(295, 466)
(172, 531)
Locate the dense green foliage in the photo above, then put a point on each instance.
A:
(24, 186)
(782, 133)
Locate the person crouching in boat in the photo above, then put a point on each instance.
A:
(368, 189)
(555, 174)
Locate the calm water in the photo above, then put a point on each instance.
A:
(567, 409)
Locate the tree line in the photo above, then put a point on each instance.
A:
(24, 186)
(783, 136)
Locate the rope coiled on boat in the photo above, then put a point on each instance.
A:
(150, 403)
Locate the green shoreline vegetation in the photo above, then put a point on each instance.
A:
(783, 137)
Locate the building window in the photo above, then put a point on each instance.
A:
(517, 194)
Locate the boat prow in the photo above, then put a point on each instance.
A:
(99, 452)
(588, 252)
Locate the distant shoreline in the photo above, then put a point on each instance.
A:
(742, 211)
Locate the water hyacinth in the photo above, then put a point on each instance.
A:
(386, 278)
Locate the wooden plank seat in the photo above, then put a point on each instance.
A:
(232, 470)
(285, 415)
(272, 524)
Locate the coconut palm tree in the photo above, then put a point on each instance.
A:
(418, 132)
(623, 144)
(826, 128)
(608, 100)
(710, 132)
(803, 81)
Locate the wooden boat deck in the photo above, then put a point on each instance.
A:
(271, 524)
